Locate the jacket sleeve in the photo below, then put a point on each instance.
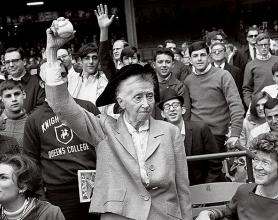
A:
(106, 60)
(182, 180)
(85, 124)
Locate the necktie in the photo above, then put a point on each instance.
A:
(255, 52)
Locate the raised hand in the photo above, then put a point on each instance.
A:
(102, 16)
(53, 40)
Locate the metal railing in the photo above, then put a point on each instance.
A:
(247, 153)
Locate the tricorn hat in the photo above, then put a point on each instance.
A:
(168, 94)
(108, 95)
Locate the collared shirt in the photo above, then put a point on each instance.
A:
(267, 57)
(183, 130)
(221, 66)
(251, 51)
(140, 141)
(202, 73)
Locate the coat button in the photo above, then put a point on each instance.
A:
(146, 198)
(152, 167)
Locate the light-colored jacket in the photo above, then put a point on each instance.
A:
(118, 186)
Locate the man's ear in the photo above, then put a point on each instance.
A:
(163, 114)
(183, 110)
(121, 102)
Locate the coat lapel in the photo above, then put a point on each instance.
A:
(188, 137)
(154, 138)
(123, 136)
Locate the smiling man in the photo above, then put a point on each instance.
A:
(163, 61)
(198, 139)
(214, 95)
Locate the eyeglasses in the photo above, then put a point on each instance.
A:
(15, 61)
(217, 51)
(264, 163)
(217, 39)
(63, 56)
(252, 36)
(175, 105)
(263, 45)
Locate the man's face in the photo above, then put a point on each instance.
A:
(173, 111)
(136, 97)
(117, 49)
(217, 39)
(251, 36)
(218, 53)
(199, 59)
(14, 64)
(265, 168)
(90, 63)
(13, 99)
(163, 64)
(63, 55)
(171, 46)
(263, 47)
(3, 119)
(130, 60)
(271, 116)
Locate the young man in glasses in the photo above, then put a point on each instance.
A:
(258, 72)
(218, 57)
(16, 70)
(198, 139)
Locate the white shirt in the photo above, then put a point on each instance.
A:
(221, 66)
(272, 90)
(140, 141)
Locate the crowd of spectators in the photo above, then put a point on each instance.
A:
(69, 106)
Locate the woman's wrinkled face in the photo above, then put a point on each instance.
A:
(136, 98)
(265, 168)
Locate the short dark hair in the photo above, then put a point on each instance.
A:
(86, 49)
(255, 99)
(267, 143)
(198, 45)
(166, 51)
(10, 84)
(2, 107)
(129, 52)
(271, 103)
(262, 36)
(170, 41)
(19, 50)
(274, 68)
(26, 172)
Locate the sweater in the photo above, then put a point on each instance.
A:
(15, 128)
(57, 149)
(8, 145)
(216, 101)
(257, 75)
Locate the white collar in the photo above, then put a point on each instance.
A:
(201, 73)
(131, 129)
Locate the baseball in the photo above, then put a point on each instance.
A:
(62, 27)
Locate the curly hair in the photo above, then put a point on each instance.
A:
(267, 143)
(26, 172)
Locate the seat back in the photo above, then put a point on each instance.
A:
(212, 195)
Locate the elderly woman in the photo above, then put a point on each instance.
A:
(20, 179)
(258, 201)
(141, 163)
